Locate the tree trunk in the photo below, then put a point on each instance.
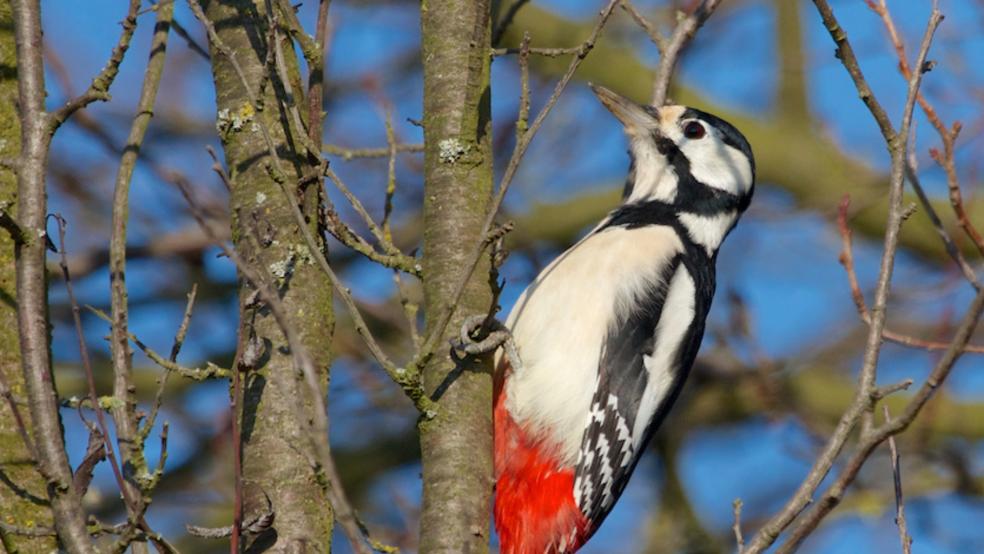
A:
(456, 446)
(277, 456)
(22, 488)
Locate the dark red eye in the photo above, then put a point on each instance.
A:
(694, 130)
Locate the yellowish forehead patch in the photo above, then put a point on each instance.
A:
(669, 115)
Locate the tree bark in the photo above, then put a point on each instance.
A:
(22, 488)
(277, 457)
(32, 283)
(456, 446)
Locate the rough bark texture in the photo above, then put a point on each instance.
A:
(456, 446)
(277, 457)
(23, 500)
(32, 289)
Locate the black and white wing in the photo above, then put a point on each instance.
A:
(645, 359)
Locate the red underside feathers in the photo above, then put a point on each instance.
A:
(535, 512)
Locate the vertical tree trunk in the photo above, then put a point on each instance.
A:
(277, 457)
(456, 446)
(21, 486)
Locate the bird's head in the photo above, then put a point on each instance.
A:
(691, 160)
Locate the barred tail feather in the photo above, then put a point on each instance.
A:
(535, 510)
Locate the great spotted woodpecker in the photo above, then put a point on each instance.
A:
(607, 333)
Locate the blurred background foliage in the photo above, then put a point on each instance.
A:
(784, 340)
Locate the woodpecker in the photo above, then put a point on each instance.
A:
(607, 333)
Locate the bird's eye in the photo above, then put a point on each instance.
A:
(694, 130)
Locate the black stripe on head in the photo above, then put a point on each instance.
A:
(692, 195)
(731, 136)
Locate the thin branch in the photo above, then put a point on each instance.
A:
(736, 526)
(651, 31)
(254, 526)
(548, 52)
(847, 260)
(951, 248)
(125, 492)
(873, 439)
(506, 21)
(947, 135)
(845, 53)
(193, 45)
(390, 178)
(99, 87)
(860, 408)
(210, 371)
(684, 31)
(124, 391)
(904, 536)
(347, 236)
(316, 87)
(179, 338)
(388, 247)
(353, 153)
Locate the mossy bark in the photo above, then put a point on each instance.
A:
(23, 498)
(456, 446)
(277, 457)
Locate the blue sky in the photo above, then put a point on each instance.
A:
(784, 263)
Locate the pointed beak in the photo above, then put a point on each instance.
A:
(634, 117)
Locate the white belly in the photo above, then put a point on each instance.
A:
(561, 320)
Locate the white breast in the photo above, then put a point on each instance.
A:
(561, 320)
(678, 313)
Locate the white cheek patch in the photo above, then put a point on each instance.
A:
(654, 178)
(718, 165)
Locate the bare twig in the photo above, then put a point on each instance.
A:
(124, 391)
(736, 526)
(506, 21)
(684, 31)
(254, 525)
(947, 135)
(193, 45)
(951, 248)
(548, 52)
(210, 371)
(847, 260)
(387, 246)
(904, 536)
(125, 492)
(99, 88)
(390, 178)
(179, 338)
(353, 153)
(649, 28)
(861, 406)
(869, 441)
